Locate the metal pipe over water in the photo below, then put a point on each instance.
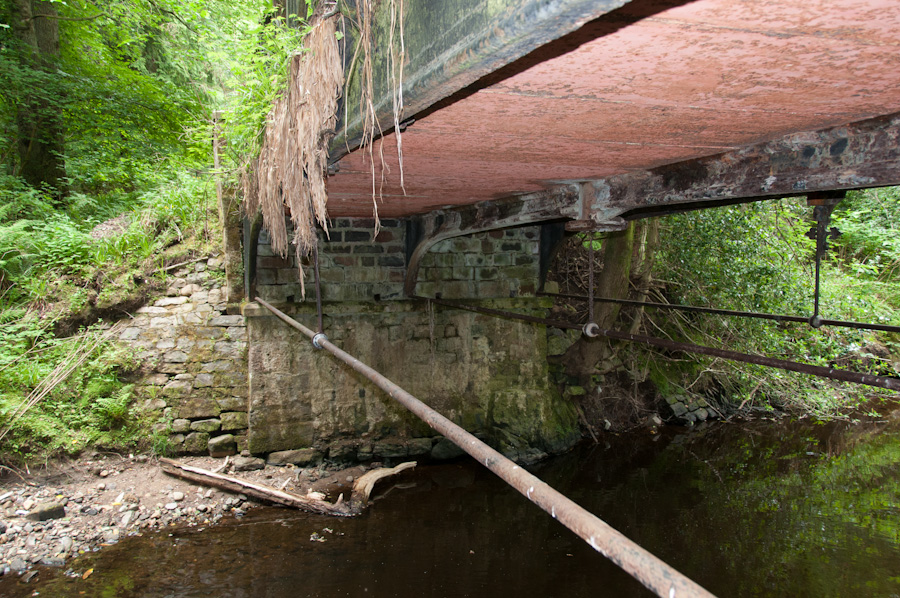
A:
(637, 562)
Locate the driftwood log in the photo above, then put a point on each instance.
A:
(359, 496)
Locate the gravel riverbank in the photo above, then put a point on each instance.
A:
(67, 509)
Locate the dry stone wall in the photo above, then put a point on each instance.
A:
(194, 356)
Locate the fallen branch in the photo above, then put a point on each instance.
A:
(258, 491)
(225, 465)
(178, 265)
(362, 488)
(586, 423)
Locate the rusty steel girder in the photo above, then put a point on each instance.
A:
(859, 155)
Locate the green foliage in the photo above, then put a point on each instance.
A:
(258, 75)
(869, 245)
(134, 86)
(746, 257)
(90, 407)
(756, 257)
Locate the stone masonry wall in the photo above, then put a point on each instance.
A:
(354, 266)
(195, 360)
(487, 374)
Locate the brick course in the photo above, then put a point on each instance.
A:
(355, 267)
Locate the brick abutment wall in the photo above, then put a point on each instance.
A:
(356, 265)
(217, 385)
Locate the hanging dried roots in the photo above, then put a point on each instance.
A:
(370, 122)
(291, 169)
(397, 59)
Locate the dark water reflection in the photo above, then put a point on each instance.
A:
(761, 509)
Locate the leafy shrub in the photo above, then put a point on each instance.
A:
(756, 257)
(869, 221)
(61, 245)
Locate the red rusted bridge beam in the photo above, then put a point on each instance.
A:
(637, 562)
(853, 156)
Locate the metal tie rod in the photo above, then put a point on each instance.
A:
(637, 562)
(782, 364)
(731, 312)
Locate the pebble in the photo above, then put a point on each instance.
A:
(178, 496)
(111, 535)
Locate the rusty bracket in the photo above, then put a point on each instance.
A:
(595, 213)
(824, 206)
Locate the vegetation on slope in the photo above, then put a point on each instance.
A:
(757, 257)
(118, 99)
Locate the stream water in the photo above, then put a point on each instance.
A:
(787, 508)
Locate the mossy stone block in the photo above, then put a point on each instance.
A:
(195, 443)
(222, 446)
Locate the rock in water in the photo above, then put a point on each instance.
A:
(445, 449)
(53, 561)
(17, 564)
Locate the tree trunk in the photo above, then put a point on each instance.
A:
(642, 266)
(38, 120)
(612, 282)
(230, 220)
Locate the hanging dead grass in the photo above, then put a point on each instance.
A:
(397, 59)
(366, 17)
(371, 126)
(291, 169)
